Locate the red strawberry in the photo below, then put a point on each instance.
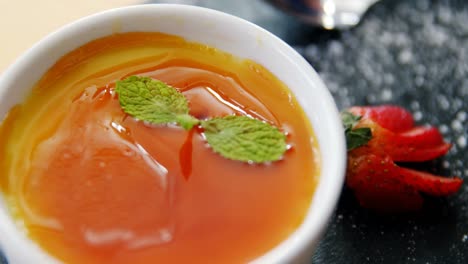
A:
(391, 117)
(377, 184)
(414, 144)
(381, 136)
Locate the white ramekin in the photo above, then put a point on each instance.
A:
(225, 32)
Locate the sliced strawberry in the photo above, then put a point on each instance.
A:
(431, 184)
(410, 154)
(377, 185)
(413, 145)
(394, 118)
(379, 137)
(381, 184)
(421, 136)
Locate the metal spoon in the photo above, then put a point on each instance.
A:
(329, 14)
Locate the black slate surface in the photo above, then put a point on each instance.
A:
(413, 53)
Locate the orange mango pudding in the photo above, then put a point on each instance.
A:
(91, 184)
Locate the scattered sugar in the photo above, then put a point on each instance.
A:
(443, 129)
(414, 105)
(444, 103)
(461, 141)
(405, 56)
(343, 92)
(419, 81)
(388, 78)
(464, 88)
(461, 116)
(454, 149)
(457, 125)
(336, 48)
(420, 69)
(386, 95)
(445, 164)
(418, 116)
(457, 103)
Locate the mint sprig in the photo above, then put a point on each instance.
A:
(234, 137)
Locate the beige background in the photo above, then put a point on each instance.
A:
(24, 22)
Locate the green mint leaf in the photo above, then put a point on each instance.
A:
(354, 137)
(244, 139)
(154, 101)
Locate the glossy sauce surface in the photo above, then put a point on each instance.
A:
(92, 185)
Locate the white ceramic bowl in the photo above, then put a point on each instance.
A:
(219, 30)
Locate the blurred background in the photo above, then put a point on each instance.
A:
(412, 53)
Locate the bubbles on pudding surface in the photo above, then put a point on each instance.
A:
(108, 177)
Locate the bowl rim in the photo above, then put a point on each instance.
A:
(298, 243)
